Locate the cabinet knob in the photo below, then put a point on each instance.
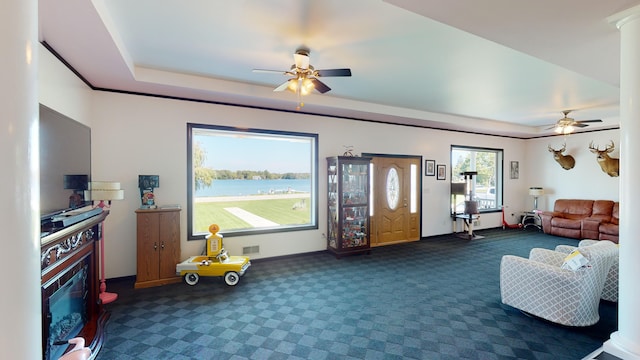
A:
(155, 246)
(162, 246)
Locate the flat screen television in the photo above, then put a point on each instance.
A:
(65, 163)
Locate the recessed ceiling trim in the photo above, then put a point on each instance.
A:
(111, 28)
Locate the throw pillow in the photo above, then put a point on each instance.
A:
(574, 261)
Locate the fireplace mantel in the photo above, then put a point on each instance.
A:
(64, 253)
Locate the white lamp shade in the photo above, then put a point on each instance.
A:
(103, 190)
(536, 191)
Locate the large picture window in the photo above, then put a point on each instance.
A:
(486, 186)
(250, 181)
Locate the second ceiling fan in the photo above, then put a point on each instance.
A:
(304, 77)
(567, 125)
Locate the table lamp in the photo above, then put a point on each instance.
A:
(104, 191)
(535, 192)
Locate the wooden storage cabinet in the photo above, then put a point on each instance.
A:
(158, 248)
(348, 202)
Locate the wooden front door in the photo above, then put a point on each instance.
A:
(396, 208)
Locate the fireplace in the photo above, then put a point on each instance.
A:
(69, 286)
(65, 307)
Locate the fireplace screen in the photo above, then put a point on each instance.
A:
(65, 301)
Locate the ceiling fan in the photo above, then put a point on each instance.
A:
(304, 77)
(567, 125)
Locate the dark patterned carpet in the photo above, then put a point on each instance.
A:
(438, 298)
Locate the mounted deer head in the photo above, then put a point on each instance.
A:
(566, 161)
(608, 164)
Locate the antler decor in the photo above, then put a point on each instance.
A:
(566, 161)
(609, 165)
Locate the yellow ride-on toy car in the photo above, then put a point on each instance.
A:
(216, 263)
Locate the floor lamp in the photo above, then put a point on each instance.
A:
(104, 191)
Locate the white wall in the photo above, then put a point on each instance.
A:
(585, 181)
(61, 90)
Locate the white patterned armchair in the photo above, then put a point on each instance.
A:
(539, 286)
(610, 291)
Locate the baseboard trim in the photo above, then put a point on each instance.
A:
(600, 354)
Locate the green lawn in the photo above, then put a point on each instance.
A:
(280, 211)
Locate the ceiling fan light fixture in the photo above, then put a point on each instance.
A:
(293, 85)
(307, 86)
(564, 130)
(302, 85)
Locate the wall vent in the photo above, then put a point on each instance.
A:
(255, 249)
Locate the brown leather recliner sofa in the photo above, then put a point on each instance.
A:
(582, 219)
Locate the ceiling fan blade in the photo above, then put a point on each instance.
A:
(270, 71)
(320, 86)
(333, 72)
(301, 61)
(279, 72)
(551, 127)
(284, 86)
(580, 125)
(589, 121)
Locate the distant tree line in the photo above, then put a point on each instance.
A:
(253, 174)
(204, 176)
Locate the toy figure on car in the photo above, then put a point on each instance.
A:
(215, 263)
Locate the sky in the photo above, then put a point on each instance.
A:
(242, 151)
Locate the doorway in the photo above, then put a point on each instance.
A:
(395, 199)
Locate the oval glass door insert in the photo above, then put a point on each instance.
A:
(393, 188)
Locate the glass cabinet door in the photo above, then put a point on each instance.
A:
(332, 169)
(355, 198)
(348, 204)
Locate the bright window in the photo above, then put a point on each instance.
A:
(250, 181)
(371, 190)
(486, 186)
(413, 205)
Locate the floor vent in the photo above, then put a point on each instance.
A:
(250, 250)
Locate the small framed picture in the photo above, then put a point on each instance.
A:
(514, 170)
(429, 168)
(442, 172)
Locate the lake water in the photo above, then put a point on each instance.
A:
(254, 187)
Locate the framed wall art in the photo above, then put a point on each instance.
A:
(514, 170)
(429, 168)
(442, 172)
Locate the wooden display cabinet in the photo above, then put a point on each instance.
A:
(158, 248)
(348, 205)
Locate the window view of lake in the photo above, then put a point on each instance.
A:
(249, 180)
(254, 187)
